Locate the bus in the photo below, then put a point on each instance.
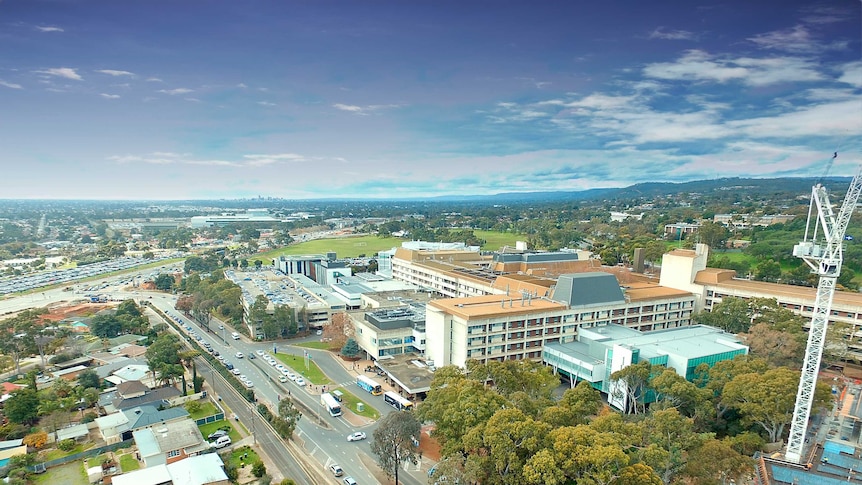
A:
(331, 404)
(397, 401)
(369, 385)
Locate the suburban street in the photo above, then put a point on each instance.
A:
(322, 437)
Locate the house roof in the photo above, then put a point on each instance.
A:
(162, 394)
(195, 470)
(180, 435)
(9, 387)
(131, 387)
(133, 372)
(11, 444)
(147, 415)
(72, 432)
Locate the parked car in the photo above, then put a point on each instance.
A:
(357, 436)
(282, 379)
(349, 481)
(300, 381)
(221, 442)
(217, 434)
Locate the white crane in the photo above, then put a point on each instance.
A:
(823, 250)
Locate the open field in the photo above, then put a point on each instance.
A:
(207, 409)
(345, 247)
(496, 240)
(312, 374)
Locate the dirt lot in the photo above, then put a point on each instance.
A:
(56, 314)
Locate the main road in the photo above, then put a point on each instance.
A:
(323, 437)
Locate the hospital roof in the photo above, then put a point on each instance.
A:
(706, 277)
(689, 342)
(477, 307)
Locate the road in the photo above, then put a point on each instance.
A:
(323, 437)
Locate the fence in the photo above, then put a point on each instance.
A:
(41, 467)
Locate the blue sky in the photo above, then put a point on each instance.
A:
(157, 99)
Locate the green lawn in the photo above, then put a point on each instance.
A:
(242, 455)
(350, 400)
(96, 460)
(207, 409)
(128, 463)
(312, 374)
(69, 474)
(496, 240)
(58, 453)
(207, 429)
(345, 247)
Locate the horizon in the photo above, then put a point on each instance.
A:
(159, 101)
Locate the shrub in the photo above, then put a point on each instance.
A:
(193, 406)
(66, 445)
(36, 440)
(258, 469)
(89, 417)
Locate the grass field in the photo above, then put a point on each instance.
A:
(242, 456)
(315, 345)
(496, 240)
(128, 463)
(350, 401)
(345, 247)
(313, 374)
(71, 473)
(207, 409)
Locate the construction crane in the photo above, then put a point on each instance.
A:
(822, 249)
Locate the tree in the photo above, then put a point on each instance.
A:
(22, 407)
(778, 347)
(289, 416)
(577, 405)
(337, 330)
(768, 270)
(767, 399)
(89, 379)
(258, 469)
(713, 235)
(393, 442)
(513, 376)
(164, 282)
(731, 315)
(630, 383)
(36, 440)
(714, 462)
(509, 439)
(578, 454)
(350, 349)
(637, 474)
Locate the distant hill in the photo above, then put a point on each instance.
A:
(752, 187)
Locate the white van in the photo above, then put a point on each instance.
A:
(234, 336)
(221, 442)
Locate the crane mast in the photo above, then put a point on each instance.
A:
(823, 251)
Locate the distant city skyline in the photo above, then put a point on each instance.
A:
(384, 99)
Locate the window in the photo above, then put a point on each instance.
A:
(173, 453)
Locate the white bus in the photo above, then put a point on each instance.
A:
(331, 404)
(397, 401)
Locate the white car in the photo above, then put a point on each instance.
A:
(282, 379)
(248, 384)
(259, 352)
(279, 367)
(239, 355)
(357, 436)
(243, 378)
(300, 381)
(291, 376)
(234, 371)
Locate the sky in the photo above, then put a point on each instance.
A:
(135, 99)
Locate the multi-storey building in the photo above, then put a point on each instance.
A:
(501, 327)
(686, 270)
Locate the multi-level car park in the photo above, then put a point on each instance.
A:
(16, 284)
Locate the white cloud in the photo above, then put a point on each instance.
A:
(698, 65)
(241, 85)
(852, 74)
(826, 119)
(48, 29)
(109, 96)
(266, 103)
(112, 72)
(251, 160)
(10, 85)
(661, 33)
(348, 107)
(174, 92)
(65, 72)
(364, 110)
(154, 80)
(797, 40)
(192, 100)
